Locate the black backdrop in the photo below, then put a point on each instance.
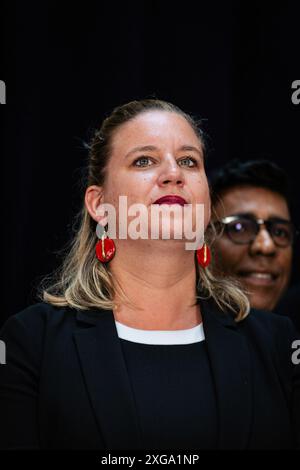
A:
(66, 65)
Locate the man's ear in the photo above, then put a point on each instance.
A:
(93, 199)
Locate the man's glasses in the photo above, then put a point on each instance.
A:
(244, 229)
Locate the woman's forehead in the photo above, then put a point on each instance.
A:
(156, 128)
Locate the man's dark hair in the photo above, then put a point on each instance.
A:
(259, 173)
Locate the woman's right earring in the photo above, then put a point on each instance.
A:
(105, 247)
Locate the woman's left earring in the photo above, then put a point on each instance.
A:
(105, 246)
(204, 256)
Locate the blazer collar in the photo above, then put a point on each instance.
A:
(108, 384)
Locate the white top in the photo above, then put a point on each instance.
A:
(191, 335)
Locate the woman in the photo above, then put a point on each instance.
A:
(136, 345)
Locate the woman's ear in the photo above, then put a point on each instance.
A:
(93, 200)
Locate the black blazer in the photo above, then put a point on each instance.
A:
(289, 305)
(65, 384)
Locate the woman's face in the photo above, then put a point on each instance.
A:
(154, 155)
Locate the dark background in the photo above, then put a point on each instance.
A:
(66, 65)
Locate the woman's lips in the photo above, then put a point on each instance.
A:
(171, 200)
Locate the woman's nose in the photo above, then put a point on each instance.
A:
(171, 173)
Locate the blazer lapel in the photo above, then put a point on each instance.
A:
(230, 362)
(107, 380)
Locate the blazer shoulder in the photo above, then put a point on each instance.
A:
(270, 325)
(41, 313)
(25, 332)
(36, 318)
(268, 319)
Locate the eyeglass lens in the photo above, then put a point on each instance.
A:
(245, 230)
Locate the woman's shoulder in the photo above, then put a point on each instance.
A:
(256, 320)
(269, 326)
(41, 312)
(23, 334)
(26, 333)
(36, 318)
(267, 319)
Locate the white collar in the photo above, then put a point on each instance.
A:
(191, 335)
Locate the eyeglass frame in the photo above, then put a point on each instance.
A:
(259, 222)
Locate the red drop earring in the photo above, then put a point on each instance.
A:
(204, 256)
(105, 247)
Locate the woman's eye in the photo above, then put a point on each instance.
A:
(142, 161)
(188, 161)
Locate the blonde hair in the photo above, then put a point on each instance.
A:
(82, 282)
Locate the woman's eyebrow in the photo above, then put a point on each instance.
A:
(145, 148)
(152, 148)
(191, 148)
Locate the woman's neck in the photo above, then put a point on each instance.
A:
(160, 286)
